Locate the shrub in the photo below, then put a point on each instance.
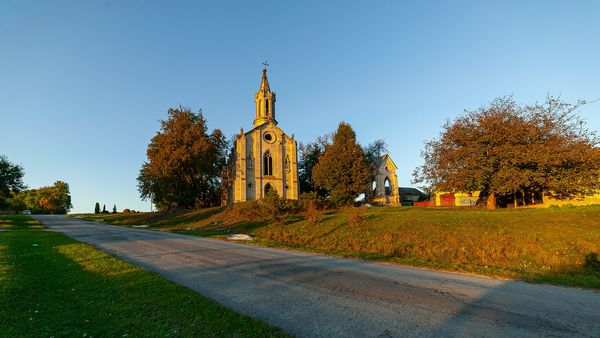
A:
(592, 263)
(356, 217)
(312, 214)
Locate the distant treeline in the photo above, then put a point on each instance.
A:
(54, 199)
(14, 195)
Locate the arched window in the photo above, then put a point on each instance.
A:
(267, 107)
(386, 184)
(267, 164)
(287, 164)
(258, 108)
(268, 188)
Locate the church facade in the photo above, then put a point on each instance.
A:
(265, 158)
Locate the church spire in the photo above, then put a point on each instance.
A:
(264, 84)
(264, 101)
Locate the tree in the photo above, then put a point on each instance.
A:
(97, 208)
(505, 149)
(62, 197)
(11, 180)
(114, 209)
(309, 156)
(104, 211)
(184, 163)
(55, 199)
(342, 169)
(375, 149)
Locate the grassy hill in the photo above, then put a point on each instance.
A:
(556, 245)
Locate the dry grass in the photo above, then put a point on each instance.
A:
(549, 245)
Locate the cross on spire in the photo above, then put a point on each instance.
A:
(265, 64)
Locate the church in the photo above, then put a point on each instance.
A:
(265, 158)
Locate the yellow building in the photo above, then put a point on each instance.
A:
(463, 199)
(265, 157)
(587, 200)
(458, 199)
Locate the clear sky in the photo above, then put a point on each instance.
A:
(84, 83)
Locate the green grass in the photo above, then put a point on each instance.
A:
(18, 222)
(51, 285)
(538, 245)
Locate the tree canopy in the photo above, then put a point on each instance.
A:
(11, 180)
(506, 148)
(55, 199)
(184, 162)
(309, 156)
(342, 170)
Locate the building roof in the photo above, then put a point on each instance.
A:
(410, 191)
(380, 159)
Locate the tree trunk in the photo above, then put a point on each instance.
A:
(515, 200)
(524, 198)
(543, 198)
(491, 202)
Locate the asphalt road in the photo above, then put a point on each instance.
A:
(318, 296)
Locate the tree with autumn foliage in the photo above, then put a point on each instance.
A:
(55, 199)
(184, 163)
(504, 149)
(342, 170)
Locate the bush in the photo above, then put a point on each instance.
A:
(312, 214)
(592, 263)
(356, 217)
(313, 197)
(274, 206)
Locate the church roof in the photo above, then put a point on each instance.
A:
(380, 159)
(265, 125)
(264, 83)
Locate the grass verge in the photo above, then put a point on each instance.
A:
(555, 245)
(51, 285)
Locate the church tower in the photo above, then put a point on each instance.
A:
(264, 158)
(264, 100)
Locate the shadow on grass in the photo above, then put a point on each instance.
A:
(587, 276)
(294, 219)
(238, 227)
(19, 222)
(66, 288)
(177, 217)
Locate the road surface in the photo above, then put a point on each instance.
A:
(319, 296)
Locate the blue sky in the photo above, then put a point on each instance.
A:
(84, 83)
